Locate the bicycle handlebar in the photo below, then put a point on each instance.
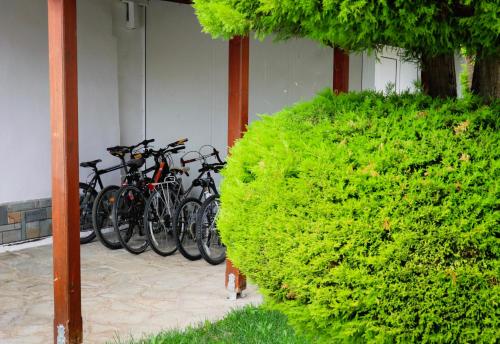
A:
(176, 149)
(212, 167)
(217, 156)
(163, 151)
(144, 143)
(185, 162)
(179, 142)
(215, 153)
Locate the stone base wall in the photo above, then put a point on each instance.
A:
(26, 220)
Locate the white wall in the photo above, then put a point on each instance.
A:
(368, 65)
(99, 125)
(355, 72)
(186, 79)
(24, 101)
(130, 46)
(283, 73)
(24, 93)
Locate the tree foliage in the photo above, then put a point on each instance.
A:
(367, 218)
(423, 26)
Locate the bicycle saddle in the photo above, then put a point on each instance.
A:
(135, 163)
(92, 163)
(118, 151)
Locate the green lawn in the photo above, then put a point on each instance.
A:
(247, 325)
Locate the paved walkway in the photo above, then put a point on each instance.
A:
(122, 295)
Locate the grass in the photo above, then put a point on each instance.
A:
(249, 325)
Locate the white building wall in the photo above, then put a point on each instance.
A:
(187, 76)
(283, 73)
(131, 72)
(24, 101)
(99, 121)
(355, 72)
(368, 65)
(24, 93)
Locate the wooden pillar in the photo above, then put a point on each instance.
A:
(65, 192)
(237, 121)
(340, 70)
(238, 88)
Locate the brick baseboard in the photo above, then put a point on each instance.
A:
(25, 220)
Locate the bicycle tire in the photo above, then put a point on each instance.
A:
(185, 218)
(206, 231)
(102, 219)
(158, 218)
(86, 205)
(128, 210)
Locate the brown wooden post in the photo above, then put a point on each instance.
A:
(238, 88)
(237, 122)
(65, 192)
(340, 70)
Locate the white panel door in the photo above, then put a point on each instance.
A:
(391, 68)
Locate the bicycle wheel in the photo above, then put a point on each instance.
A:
(128, 212)
(158, 216)
(185, 228)
(102, 218)
(207, 236)
(87, 198)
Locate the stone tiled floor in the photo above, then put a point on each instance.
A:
(122, 294)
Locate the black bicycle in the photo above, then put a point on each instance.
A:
(129, 207)
(103, 204)
(185, 216)
(88, 195)
(166, 192)
(208, 238)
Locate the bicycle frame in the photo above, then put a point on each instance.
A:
(96, 179)
(163, 188)
(207, 184)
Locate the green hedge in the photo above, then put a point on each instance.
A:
(367, 218)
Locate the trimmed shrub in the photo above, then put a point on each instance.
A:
(367, 218)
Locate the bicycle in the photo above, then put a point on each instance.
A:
(186, 213)
(88, 195)
(166, 192)
(207, 235)
(103, 204)
(129, 207)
